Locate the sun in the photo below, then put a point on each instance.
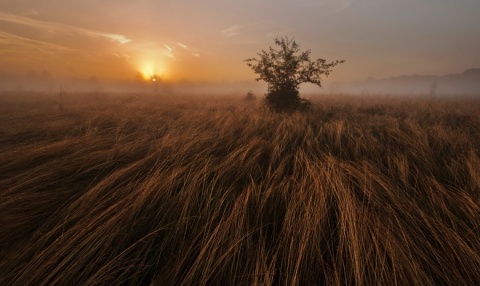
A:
(153, 70)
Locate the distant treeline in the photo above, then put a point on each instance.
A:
(467, 82)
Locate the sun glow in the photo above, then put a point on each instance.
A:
(153, 70)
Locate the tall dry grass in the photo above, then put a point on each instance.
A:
(121, 190)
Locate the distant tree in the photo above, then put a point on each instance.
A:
(284, 70)
(433, 88)
(61, 99)
(250, 96)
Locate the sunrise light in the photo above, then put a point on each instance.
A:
(152, 70)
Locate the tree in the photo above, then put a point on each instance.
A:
(250, 96)
(284, 70)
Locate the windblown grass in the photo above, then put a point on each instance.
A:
(153, 191)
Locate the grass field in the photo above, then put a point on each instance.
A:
(153, 190)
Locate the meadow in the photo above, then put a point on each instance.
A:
(112, 189)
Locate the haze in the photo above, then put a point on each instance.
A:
(207, 41)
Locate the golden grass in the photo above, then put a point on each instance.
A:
(118, 190)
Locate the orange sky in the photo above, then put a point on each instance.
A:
(208, 40)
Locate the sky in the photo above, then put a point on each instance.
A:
(208, 40)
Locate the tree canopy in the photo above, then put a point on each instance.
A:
(284, 69)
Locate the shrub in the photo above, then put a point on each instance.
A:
(250, 96)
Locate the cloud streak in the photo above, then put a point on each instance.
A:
(54, 28)
(14, 41)
(27, 43)
(251, 33)
(232, 31)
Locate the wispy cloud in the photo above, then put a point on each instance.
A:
(55, 28)
(115, 37)
(154, 50)
(182, 45)
(232, 31)
(253, 32)
(10, 40)
(61, 48)
(185, 47)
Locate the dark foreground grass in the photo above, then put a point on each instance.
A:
(150, 191)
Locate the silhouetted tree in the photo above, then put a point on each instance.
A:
(433, 88)
(284, 70)
(61, 99)
(250, 96)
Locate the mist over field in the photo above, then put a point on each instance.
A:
(43, 82)
(466, 83)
